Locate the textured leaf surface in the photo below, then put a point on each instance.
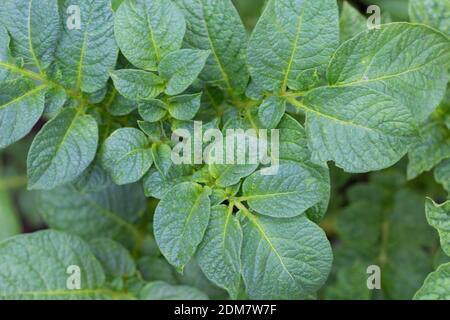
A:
(21, 106)
(34, 267)
(110, 212)
(271, 111)
(62, 150)
(219, 253)
(438, 216)
(402, 60)
(34, 26)
(442, 174)
(184, 107)
(162, 291)
(436, 285)
(358, 128)
(288, 193)
(181, 68)
(180, 222)
(137, 84)
(284, 258)
(127, 155)
(114, 258)
(157, 184)
(152, 110)
(86, 55)
(430, 150)
(148, 30)
(292, 36)
(435, 13)
(215, 25)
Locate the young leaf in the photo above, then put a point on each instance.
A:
(34, 26)
(359, 128)
(86, 54)
(271, 111)
(184, 107)
(415, 75)
(21, 106)
(148, 30)
(157, 184)
(293, 189)
(436, 285)
(152, 110)
(160, 290)
(114, 258)
(62, 150)
(127, 155)
(180, 222)
(219, 255)
(286, 258)
(438, 216)
(38, 263)
(181, 68)
(110, 212)
(161, 154)
(287, 41)
(215, 25)
(137, 84)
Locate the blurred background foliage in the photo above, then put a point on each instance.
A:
(373, 219)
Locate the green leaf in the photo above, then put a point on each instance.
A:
(283, 258)
(9, 219)
(110, 212)
(127, 155)
(137, 84)
(219, 253)
(86, 55)
(442, 174)
(152, 110)
(37, 268)
(114, 258)
(181, 68)
(62, 150)
(294, 188)
(153, 269)
(161, 154)
(94, 178)
(184, 107)
(430, 150)
(215, 25)
(34, 26)
(351, 22)
(147, 30)
(118, 105)
(271, 111)
(157, 184)
(358, 128)
(159, 290)
(21, 106)
(435, 13)
(288, 40)
(5, 54)
(436, 285)
(390, 61)
(55, 98)
(438, 216)
(180, 222)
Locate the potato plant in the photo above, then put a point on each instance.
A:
(119, 108)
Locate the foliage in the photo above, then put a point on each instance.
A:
(102, 104)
